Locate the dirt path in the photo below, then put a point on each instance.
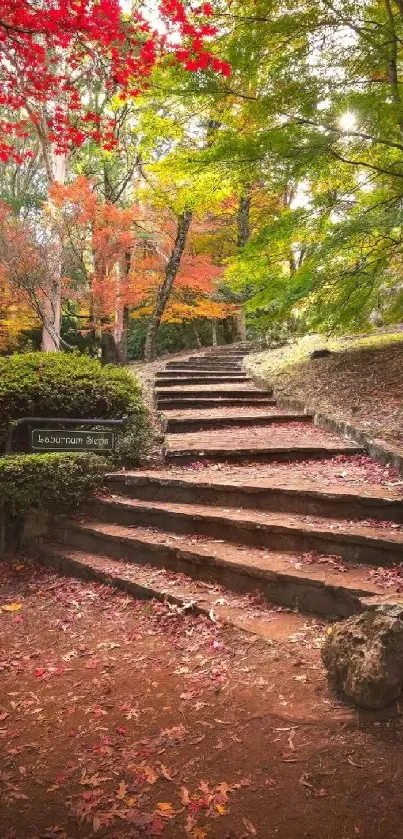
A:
(124, 718)
(120, 719)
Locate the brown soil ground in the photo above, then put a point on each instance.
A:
(363, 386)
(122, 719)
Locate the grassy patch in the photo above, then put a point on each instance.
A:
(271, 363)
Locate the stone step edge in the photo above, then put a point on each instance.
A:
(380, 450)
(177, 425)
(195, 394)
(207, 368)
(161, 375)
(269, 453)
(55, 551)
(142, 478)
(305, 586)
(292, 526)
(212, 402)
(68, 562)
(174, 381)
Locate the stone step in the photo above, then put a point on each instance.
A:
(208, 359)
(180, 425)
(271, 452)
(167, 403)
(199, 379)
(183, 593)
(228, 357)
(281, 578)
(353, 541)
(197, 392)
(302, 498)
(205, 371)
(224, 366)
(285, 441)
(187, 373)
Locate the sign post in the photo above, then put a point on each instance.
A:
(53, 440)
(74, 440)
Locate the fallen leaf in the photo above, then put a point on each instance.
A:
(90, 780)
(224, 789)
(157, 827)
(121, 791)
(250, 827)
(184, 796)
(164, 807)
(150, 773)
(11, 607)
(96, 824)
(291, 739)
(270, 782)
(352, 762)
(39, 672)
(221, 810)
(304, 781)
(189, 825)
(204, 787)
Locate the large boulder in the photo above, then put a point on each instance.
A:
(364, 658)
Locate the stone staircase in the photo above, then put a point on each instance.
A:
(253, 499)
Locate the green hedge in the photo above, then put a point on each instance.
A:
(50, 482)
(73, 385)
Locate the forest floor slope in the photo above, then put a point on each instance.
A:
(360, 382)
(121, 719)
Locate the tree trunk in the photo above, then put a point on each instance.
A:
(122, 311)
(109, 350)
(197, 337)
(214, 338)
(123, 343)
(171, 270)
(57, 170)
(393, 64)
(240, 325)
(52, 309)
(242, 240)
(244, 219)
(228, 328)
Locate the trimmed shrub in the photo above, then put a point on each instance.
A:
(73, 385)
(54, 482)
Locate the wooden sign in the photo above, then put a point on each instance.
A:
(53, 440)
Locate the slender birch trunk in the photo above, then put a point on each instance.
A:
(171, 270)
(214, 336)
(122, 310)
(56, 167)
(242, 240)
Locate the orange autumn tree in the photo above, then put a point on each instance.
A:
(15, 316)
(26, 261)
(98, 241)
(115, 259)
(193, 294)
